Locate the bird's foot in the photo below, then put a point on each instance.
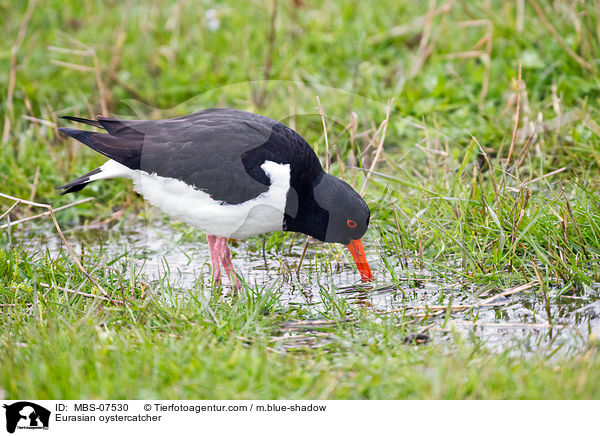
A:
(220, 254)
(214, 260)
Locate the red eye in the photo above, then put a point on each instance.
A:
(351, 223)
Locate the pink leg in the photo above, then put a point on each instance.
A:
(214, 257)
(225, 257)
(219, 254)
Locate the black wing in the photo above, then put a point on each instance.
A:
(219, 151)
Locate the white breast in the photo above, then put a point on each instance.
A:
(258, 215)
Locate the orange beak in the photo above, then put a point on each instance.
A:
(358, 254)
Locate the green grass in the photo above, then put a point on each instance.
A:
(448, 210)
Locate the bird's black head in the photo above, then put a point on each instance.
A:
(330, 211)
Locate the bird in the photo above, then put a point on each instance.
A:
(231, 173)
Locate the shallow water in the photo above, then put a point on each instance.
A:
(419, 298)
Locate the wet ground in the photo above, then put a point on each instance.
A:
(521, 318)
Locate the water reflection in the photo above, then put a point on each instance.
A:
(327, 279)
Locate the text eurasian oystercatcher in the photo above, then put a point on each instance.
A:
(231, 173)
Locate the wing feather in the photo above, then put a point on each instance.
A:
(218, 151)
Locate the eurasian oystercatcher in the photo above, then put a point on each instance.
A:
(231, 173)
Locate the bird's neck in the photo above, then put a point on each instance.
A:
(303, 213)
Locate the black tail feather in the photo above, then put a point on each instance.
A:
(84, 121)
(126, 150)
(78, 184)
(122, 143)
